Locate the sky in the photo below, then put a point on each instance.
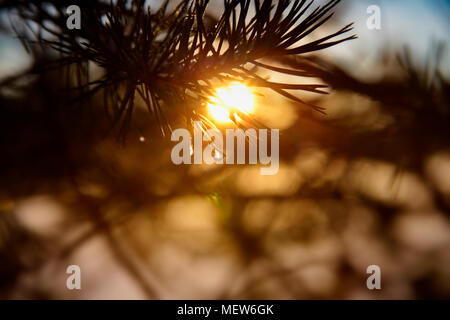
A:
(416, 24)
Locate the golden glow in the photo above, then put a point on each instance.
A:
(227, 100)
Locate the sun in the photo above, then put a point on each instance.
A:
(228, 100)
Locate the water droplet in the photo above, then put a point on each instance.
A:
(218, 155)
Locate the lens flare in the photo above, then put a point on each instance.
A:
(228, 100)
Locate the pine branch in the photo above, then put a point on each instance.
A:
(171, 58)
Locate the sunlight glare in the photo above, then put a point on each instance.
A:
(236, 96)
